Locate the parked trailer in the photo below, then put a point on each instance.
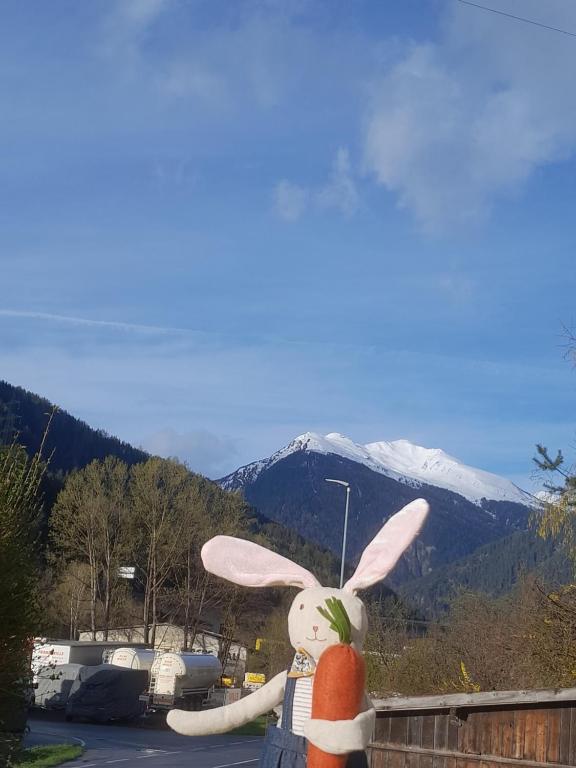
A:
(134, 658)
(52, 653)
(53, 685)
(182, 680)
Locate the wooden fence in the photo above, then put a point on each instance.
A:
(498, 729)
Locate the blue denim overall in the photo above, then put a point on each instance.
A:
(284, 749)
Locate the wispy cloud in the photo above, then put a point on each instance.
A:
(456, 124)
(141, 13)
(126, 26)
(83, 321)
(181, 398)
(290, 200)
(339, 193)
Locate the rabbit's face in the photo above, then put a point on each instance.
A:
(309, 630)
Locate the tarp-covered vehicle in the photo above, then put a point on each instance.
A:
(53, 685)
(106, 692)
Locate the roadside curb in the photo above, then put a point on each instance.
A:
(65, 739)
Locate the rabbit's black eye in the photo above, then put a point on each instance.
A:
(301, 606)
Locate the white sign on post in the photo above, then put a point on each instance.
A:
(126, 572)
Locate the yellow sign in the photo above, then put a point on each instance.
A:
(227, 681)
(259, 643)
(254, 677)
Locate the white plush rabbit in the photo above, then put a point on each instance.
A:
(243, 562)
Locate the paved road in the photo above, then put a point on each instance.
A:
(108, 746)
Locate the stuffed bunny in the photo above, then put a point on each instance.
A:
(248, 564)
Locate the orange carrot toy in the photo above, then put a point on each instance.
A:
(339, 680)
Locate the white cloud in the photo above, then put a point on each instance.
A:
(202, 450)
(141, 13)
(454, 125)
(339, 193)
(187, 78)
(290, 200)
(126, 26)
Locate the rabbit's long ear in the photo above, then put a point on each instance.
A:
(384, 551)
(249, 564)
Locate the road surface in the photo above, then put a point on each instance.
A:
(121, 746)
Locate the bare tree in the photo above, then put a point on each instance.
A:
(211, 512)
(161, 494)
(88, 524)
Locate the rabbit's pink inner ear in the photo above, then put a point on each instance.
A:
(250, 565)
(386, 548)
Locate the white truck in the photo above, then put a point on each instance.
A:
(181, 680)
(52, 653)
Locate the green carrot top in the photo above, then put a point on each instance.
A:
(339, 620)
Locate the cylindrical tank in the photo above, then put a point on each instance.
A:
(179, 672)
(133, 658)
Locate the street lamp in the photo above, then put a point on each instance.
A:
(347, 486)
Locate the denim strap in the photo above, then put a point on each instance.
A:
(288, 702)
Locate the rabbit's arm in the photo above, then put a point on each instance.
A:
(338, 737)
(223, 719)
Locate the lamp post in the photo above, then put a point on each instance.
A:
(347, 486)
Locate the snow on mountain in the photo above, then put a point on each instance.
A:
(400, 460)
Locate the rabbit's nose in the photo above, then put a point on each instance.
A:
(315, 629)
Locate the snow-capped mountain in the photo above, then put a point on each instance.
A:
(399, 459)
(469, 507)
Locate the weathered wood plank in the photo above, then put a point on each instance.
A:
(470, 734)
(507, 734)
(454, 729)
(472, 700)
(376, 757)
(470, 759)
(542, 735)
(441, 732)
(572, 753)
(415, 730)
(486, 725)
(518, 737)
(382, 729)
(440, 740)
(426, 759)
(397, 758)
(428, 731)
(530, 726)
(398, 730)
(500, 721)
(553, 744)
(565, 736)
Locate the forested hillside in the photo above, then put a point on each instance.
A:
(70, 442)
(493, 569)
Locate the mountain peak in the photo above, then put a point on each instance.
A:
(400, 460)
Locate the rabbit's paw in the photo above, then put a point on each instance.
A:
(338, 737)
(188, 723)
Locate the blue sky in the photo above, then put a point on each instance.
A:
(227, 223)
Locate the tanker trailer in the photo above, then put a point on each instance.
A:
(134, 658)
(182, 680)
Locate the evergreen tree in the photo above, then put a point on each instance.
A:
(557, 518)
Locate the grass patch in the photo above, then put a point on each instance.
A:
(255, 728)
(47, 757)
